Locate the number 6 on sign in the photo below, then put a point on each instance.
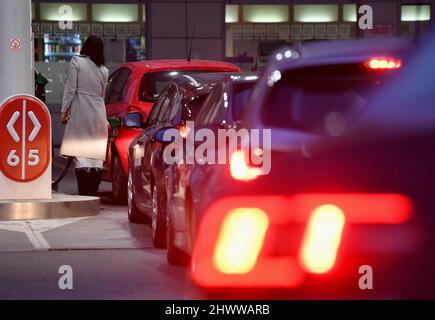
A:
(13, 159)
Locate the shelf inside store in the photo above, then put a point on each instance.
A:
(61, 54)
(66, 43)
(61, 47)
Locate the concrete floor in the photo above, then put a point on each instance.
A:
(110, 257)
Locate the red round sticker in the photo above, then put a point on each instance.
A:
(15, 44)
(25, 133)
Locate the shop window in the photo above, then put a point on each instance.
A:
(115, 12)
(231, 13)
(349, 13)
(316, 13)
(265, 13)
(50, 11)
(415, 13)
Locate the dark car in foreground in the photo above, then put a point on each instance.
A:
(312, 221)
(223, 109)
(178, 103)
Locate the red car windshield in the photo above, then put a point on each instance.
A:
(153, 83)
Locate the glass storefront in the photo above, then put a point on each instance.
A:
(254, 30)
(122, 27)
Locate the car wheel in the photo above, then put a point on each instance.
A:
(174, 256)
(158, 220)
(119, 181)
(134, 215)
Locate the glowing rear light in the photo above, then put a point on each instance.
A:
(322, 239)
(383, 63)
(240, 240)
(236, 240)
(240, 170)
(184, 131)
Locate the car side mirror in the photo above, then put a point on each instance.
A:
(133, 120)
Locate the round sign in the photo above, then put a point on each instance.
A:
(15, 44)
(25, 138)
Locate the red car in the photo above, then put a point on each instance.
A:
(132, 89)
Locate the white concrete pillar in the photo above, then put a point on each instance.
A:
(16, 64)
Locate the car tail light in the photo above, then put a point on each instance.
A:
(383, 63)
(322, 239)
(240, 240)
(237, 237)
(184, 130)
(240, 169)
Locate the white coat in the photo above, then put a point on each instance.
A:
(86, 132)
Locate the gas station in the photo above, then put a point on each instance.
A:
(108, 238)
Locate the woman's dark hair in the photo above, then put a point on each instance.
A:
(94, 49)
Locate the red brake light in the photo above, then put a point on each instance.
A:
(184, 131)
(240, 240)
(240, 169)
(236, 237)
(322, 239)
(383, 63)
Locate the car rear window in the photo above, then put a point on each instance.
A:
(317, 99)
(242, 93)
(153, 83)
(195, 104)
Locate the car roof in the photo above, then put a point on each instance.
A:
(179, 64)
(407, 102)
(336, 51)
(320, 53)
(223, 76)
(201, 79)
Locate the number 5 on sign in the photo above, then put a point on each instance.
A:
(33, 158)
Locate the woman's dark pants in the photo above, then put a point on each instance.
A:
(88, 180)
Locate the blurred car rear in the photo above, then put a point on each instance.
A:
(319, 215)
(223, 109)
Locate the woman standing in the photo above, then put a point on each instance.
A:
(84, 113)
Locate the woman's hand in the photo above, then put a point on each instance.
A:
(65, 117)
